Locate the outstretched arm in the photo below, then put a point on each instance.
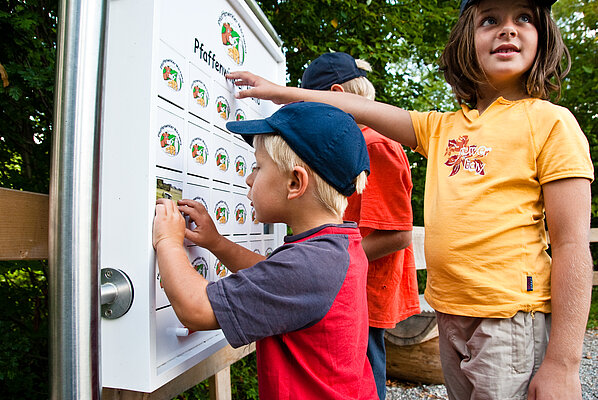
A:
(185, 288)
(390, 121)
(567, 203)
(205, 234)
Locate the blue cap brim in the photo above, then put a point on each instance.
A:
(248, 128)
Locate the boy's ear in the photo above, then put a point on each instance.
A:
(297, 183)
(337, 88)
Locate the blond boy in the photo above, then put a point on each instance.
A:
(305, 304)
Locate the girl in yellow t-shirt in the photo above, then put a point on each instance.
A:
(496, 168)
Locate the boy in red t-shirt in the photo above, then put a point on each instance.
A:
(382, 211)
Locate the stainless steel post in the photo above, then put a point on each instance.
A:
(73, 247)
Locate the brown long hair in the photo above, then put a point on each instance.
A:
(463, 72)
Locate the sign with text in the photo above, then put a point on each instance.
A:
(166, 102)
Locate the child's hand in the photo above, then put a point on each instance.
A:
(260, 88)
(169, 224)
(205, 233)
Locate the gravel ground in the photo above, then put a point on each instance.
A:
(588, 374)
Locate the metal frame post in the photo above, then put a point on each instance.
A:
(73, 234)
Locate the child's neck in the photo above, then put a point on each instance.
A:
(303, 222)
(489, 95)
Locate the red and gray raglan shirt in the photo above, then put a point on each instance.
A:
(306, 306)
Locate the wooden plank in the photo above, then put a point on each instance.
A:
(595, 280)
(220, 385)
(210, 366)
(23, 225)
(593, 235)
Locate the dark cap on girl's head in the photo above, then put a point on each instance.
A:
(467, 3)
(324, 137)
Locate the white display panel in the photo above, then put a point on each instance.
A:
(165, 107)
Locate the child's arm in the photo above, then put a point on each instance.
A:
(390, 121)
(567, 203)
(232, 255)
(382, 243)
(185, 288)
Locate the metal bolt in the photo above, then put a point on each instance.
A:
(108, 274)
(107, 313)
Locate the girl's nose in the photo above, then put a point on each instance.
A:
(508, 30)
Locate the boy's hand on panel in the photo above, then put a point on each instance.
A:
(169, 224)
(205, 233)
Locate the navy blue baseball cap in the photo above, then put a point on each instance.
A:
(324, 137)
(467, 3)
(328, 69)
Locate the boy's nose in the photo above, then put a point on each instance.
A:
(249, 179)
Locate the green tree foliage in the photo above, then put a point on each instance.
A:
(24, 330)
(27, 56)
(400, 39)
(28, 53)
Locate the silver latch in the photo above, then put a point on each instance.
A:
(116, 293)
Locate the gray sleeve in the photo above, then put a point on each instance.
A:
(293, 289)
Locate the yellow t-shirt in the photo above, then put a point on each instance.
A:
(485, 240)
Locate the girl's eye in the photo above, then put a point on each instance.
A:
(488, 21)
(525, 18)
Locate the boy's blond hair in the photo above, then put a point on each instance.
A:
(361, 85)
(286, 159)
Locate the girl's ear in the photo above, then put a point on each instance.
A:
(297, 183)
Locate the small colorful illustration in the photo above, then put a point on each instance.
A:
(221, 270)
(172, 75)
(222, 159)
(222, 107)
(253, 166)
(253, 217)
(221, 212)
(469, 157)
(239, 115)
(232, 37)
(240, 213)
(240, 166)
(268, 251)
(201, 265)
(199, 151)
(200, 93)
(159, 280)
(170, 140)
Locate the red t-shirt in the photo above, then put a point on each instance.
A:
(385, 204)
(306, 308)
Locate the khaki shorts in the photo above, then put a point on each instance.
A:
(491, 358)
